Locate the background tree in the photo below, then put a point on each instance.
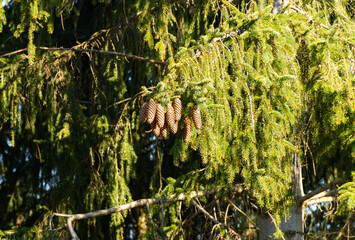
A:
(275, 92)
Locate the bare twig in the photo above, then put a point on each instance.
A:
(13, 53)
(319, 190)
(248, 218)
(208, 215)
(347, 225)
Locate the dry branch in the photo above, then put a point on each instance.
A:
(139, 203)
(13, 53)
(209, 216)
(303, 199)
(248, 218)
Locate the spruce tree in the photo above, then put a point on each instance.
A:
(216, 109)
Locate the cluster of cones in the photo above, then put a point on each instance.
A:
(160, 121)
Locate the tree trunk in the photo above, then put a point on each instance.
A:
(279, 5)
(293, 225)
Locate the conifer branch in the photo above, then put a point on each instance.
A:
(105, 32)
(303, 199)
(125, 55)
(138, 203)
(134, 57)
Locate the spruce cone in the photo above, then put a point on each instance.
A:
(151, 110)
(174, 128)
(160, 116)
(164, 131)
(155, 128)
(170, 117)
(177, 108)
(156, 131)
(187, 129)
(196, 117)
(143, 113)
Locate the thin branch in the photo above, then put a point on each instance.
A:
(297, 9)
(347, 225)
(208, 215)
(134, 57)
(201, 209)
(13, 53)
(274, 221)
(139, 203)
(251, 221)
(319, 190)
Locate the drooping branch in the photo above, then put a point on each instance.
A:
(138, 203)
(303, 199)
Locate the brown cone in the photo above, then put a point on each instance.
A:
(143, 113)
(170, 117)
(160, 116)
(187, 130)
(155, 128)
(177, 108)
(174, 128)
(164, 131)
(196, 117)
(151, 110)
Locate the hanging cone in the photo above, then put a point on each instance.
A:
(177, 108)
(170, 117)
(196, 117)
(155, 128)
(143, 113)
(151, 110)
(174, 128)
(187, 130)
(160, 116)
(164, 131)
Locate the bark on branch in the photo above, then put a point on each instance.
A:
(303, 199)
(139, 203)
